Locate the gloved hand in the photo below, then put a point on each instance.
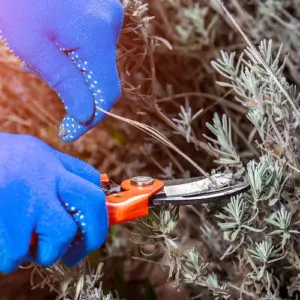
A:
(50, 193)
(71, 45)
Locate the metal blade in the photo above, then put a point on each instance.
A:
(199, 186)
(211, 196)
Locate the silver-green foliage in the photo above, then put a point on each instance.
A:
(273, 110)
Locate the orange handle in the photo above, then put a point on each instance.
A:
(131, 203)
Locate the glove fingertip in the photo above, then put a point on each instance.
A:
(71, 130)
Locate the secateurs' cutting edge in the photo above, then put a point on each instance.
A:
(132, 199)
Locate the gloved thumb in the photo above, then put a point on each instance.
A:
(101, 74)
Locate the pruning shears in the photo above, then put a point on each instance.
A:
(133, 197)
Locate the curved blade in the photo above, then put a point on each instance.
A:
(199, 191)
(198, 186)
(202, 198)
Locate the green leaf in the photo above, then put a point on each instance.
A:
(252, 228)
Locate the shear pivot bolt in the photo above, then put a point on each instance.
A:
(142, 180)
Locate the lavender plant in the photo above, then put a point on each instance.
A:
(259, 227)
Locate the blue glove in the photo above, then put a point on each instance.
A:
(50, 193)
(71, 45)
